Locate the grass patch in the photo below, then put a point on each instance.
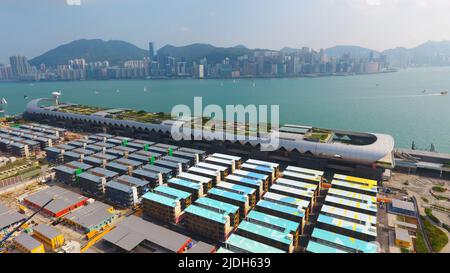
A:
(425, 200)
(436, 236)
(429, 213)
(419, 244)
(439, 189)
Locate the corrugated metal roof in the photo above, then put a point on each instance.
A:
(345, 241)
(267, 232)
(315, 247)
(250, 246)
(27, 241)
(206, 213)
(133, 230)
(227, 194)
(171, 191)
(47, 231)
(91, 215)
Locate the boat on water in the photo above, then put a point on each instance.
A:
(443, 93)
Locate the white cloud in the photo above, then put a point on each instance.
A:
(73, 2)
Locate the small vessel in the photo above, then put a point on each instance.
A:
(117, 91)
(254, 84)
(443, 93)
(424, 91)
(145, 89)
(96, 92)
(25, 97)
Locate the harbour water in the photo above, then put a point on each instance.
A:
(406, 104)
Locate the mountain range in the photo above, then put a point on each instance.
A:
(116, 51)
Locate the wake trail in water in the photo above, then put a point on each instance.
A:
(403, 96)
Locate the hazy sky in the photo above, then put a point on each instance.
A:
(31, 27)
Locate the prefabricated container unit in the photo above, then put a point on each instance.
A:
(288, 201)
(20, 150)
(306, 178)
(77, 144)
(176, 168)
(149, 154)
(105, 156)
(352, 196)
(277, 223)
(66, 174)
(270, 172)
(65, 147)
(185, 163)
(141, 185)
(119, 168)
(354, 187)
(44, 142)
(286, 212)
(95, 148)
(72, 156)
(213, 175)
(94, 161)
(240, 200)
(121, 194)
(27, 244)
(370, 209)
(247, 182)
(296, 193)
(237, 159)
(202, 154)
(304, 171)
(159, 150)
(104, 173)
(221, 207)
(154, 179)
(349, 215)
(92, 184)
(54, 155)
(49, 236)
(193, 158)
(161, 207)
(165, 172)
(204, 181)
(340, 242)
(213, 167)
(144, 157)
(266, 235)
(299, 185)
(347, 228)
(193, 188)
(250, 192)
(114, 141)
(125, 149)
(115, 152)
(208, 223)
(5, 145)
(255, 176)
(129, 162)
(166, 146)
(140, 144)
(272, 165)
(184, 197)
(105, 145)
(240, 244)
(229, 164)
(33, 146)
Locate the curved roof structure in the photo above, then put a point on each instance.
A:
(362, 148)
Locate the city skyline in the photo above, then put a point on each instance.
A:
(262, 24)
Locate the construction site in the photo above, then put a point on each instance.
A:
(105, 193)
